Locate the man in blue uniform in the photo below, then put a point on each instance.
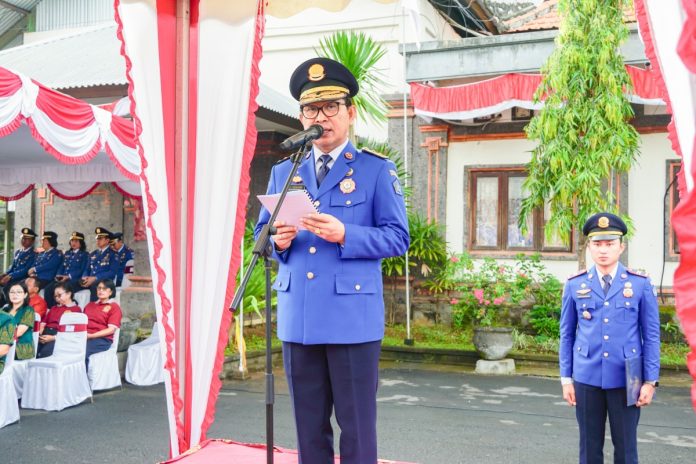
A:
(329, 285)
(48, 261)
(102, 263)
(23, 260)
(123, 255)
(609, 314)
(71, 269)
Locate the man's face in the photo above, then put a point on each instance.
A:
(27, 242)
(336, 128)
(102, 242)
(31, 286)
(606, 253)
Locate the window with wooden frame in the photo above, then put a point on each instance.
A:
(672, 200)
(496, 197)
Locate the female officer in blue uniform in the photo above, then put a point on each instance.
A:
(48, 261)
(102, 263)
(329, 285)
(609, 314)
(71, 269)
(21, 262)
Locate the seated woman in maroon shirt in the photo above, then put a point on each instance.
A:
(103, 318)
(49, 325)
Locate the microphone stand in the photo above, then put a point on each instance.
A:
(263, 247)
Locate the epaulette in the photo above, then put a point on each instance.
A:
(374, 153)
(577, 274)
(637, 272)
(284, 159)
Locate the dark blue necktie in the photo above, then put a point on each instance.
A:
(607, 283)
(323, 168)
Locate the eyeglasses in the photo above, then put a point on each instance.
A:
(329, 109)
(59, 295)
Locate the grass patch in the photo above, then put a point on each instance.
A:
(447, 338)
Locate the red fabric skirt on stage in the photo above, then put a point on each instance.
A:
(240, 453)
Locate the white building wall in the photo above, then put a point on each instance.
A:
(290, 41)
(646, 187)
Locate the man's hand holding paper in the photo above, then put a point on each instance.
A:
(284, 236)
(325, 226)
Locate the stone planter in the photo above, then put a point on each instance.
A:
(493, 343)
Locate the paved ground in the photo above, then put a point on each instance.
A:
(426, 416)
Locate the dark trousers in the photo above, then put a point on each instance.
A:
(93, 291)
(593, 406)
(96, 345)
(340, 378)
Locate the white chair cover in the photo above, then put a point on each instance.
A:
(144, 365)
(127, 272)
(103, 371)
(60, 380)
(81, 298)
(9, 410)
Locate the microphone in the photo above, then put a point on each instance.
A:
(295, 141)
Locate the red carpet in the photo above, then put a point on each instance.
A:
(227, 451)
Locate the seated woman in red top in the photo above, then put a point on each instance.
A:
(49, 325)
(103, 318)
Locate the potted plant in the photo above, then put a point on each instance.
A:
(482, 294)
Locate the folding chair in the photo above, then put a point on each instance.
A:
(144, 365)
(20, 367)
(60, 380)
(9, 410)
(103, 370)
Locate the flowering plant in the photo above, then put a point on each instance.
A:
(482, 292)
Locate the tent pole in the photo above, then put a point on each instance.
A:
(408, 340)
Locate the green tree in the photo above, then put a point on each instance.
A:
(359, 53)
(584, 137)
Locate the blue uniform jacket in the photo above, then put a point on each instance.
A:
(599, 333)
(122, 256)
(74, 264)
(23, 260)
(333, 294)
(47, 264)
(102, 264)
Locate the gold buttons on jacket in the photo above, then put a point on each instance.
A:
(606, 355)
(357, 286)
(312, 250)
(348, 202)
(310, 275)
(606, 320)
(606, 337)
(606, 303)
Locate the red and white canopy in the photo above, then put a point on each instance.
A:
(494, 95)
(50, 138)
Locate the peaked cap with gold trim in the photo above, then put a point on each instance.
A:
(604, 226)
(322, 79)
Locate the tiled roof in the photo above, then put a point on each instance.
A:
(545, 17)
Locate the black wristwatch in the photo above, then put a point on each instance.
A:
(654, 383)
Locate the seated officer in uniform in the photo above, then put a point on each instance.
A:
(329, 284)
(123, 255)
(102, 263)
(48, 261)
(71, 269)
(609, 313)
(23, 260)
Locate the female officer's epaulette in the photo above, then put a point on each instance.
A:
(284, 159)
(577, 274)
(374, 153)
(637, 272)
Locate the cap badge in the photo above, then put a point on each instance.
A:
(347, 185)
(603, 222)
(316, 72)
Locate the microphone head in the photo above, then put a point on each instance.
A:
(318, 129)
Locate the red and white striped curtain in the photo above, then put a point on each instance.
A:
(668, 29)
(193, 289)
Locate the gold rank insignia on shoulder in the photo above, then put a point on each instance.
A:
(347, 185)
(369, 151)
